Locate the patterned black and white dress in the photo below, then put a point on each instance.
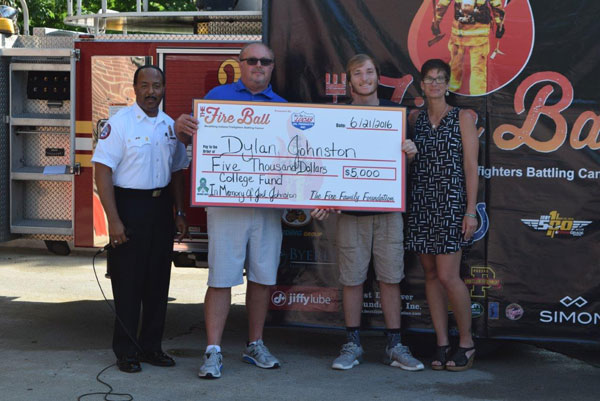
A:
(438, 193)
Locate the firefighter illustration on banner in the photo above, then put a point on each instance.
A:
(474, 41)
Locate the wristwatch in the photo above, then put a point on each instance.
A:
(181, 213)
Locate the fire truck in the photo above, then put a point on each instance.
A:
(60, 87)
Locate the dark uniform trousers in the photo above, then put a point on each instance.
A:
(141, 269)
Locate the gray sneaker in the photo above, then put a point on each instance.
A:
(211, 368)
(350, 356)
(258, 354)
(400, 357)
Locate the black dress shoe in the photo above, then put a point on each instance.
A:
(129, 364)
(157, 358)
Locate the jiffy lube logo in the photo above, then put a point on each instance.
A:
(248, 116)
(321, 299)
(303, 120)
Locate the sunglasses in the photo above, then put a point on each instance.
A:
(253, 61)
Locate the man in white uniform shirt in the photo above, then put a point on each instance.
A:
(139, 175)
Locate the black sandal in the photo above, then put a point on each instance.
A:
(461, 362)
(441, 355)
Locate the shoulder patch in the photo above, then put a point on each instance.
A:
(105, 132)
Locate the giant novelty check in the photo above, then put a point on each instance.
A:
(293, 155)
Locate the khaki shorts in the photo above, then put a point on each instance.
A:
(360, 236)
(239, 237)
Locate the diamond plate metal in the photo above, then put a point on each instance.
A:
(49, 237)
(39, 106)
(45, 42)
(171, 37)
(47, 200)
(34, 147)
(4, 154)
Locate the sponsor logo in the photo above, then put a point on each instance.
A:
(514, 312)
(295, 217)
(303, 120)
(484, 222)
(573, 314)
(493, 310)
(482, 278)
(568, 301)
(248, 116)
(554, 224)
(476, 309)
(105, 131)
(316, 299)
(278, 298)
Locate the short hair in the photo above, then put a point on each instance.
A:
(360, 59)
(435, 64)
(146, 66)
(247, 45)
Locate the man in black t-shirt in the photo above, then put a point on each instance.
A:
(362, 234)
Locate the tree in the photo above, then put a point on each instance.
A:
(51, 13)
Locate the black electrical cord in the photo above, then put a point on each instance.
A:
(110, 392)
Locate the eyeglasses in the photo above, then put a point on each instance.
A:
(253, 61)
(437, 80)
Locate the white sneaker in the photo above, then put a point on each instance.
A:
(258, 354)
(400, 357)
(212, 366)
(350, 356)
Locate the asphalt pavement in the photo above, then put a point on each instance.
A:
(56, 329)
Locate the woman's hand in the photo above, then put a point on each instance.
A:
(469, 225)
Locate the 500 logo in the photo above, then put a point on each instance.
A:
(554, 224)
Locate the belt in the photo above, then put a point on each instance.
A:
(145, 193)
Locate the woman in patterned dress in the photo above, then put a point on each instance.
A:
(442, 215)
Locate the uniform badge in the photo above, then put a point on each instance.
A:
(171, 134)
(105, 132)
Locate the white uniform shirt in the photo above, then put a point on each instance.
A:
(141, 153)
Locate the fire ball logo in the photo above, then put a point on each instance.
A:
(514, 312)
(303, 120)
(554, 224)
(278, 298)
(572, 316)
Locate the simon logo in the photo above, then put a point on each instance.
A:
(554, 224)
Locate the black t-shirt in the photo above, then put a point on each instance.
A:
(382, 103)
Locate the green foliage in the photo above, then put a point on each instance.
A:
(51, 13)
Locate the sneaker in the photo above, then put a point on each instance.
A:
(258, 354)
(211, 368)
(400, 357)
(350, 356)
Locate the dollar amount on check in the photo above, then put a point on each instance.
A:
(291, 155)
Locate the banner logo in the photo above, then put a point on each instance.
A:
(310, 299)
(568, 301)
(554, 224)
(573, 316)
(278, 298)
(303, 120)
(514, 312)
(482, 278)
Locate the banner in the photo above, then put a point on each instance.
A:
(529, 69)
